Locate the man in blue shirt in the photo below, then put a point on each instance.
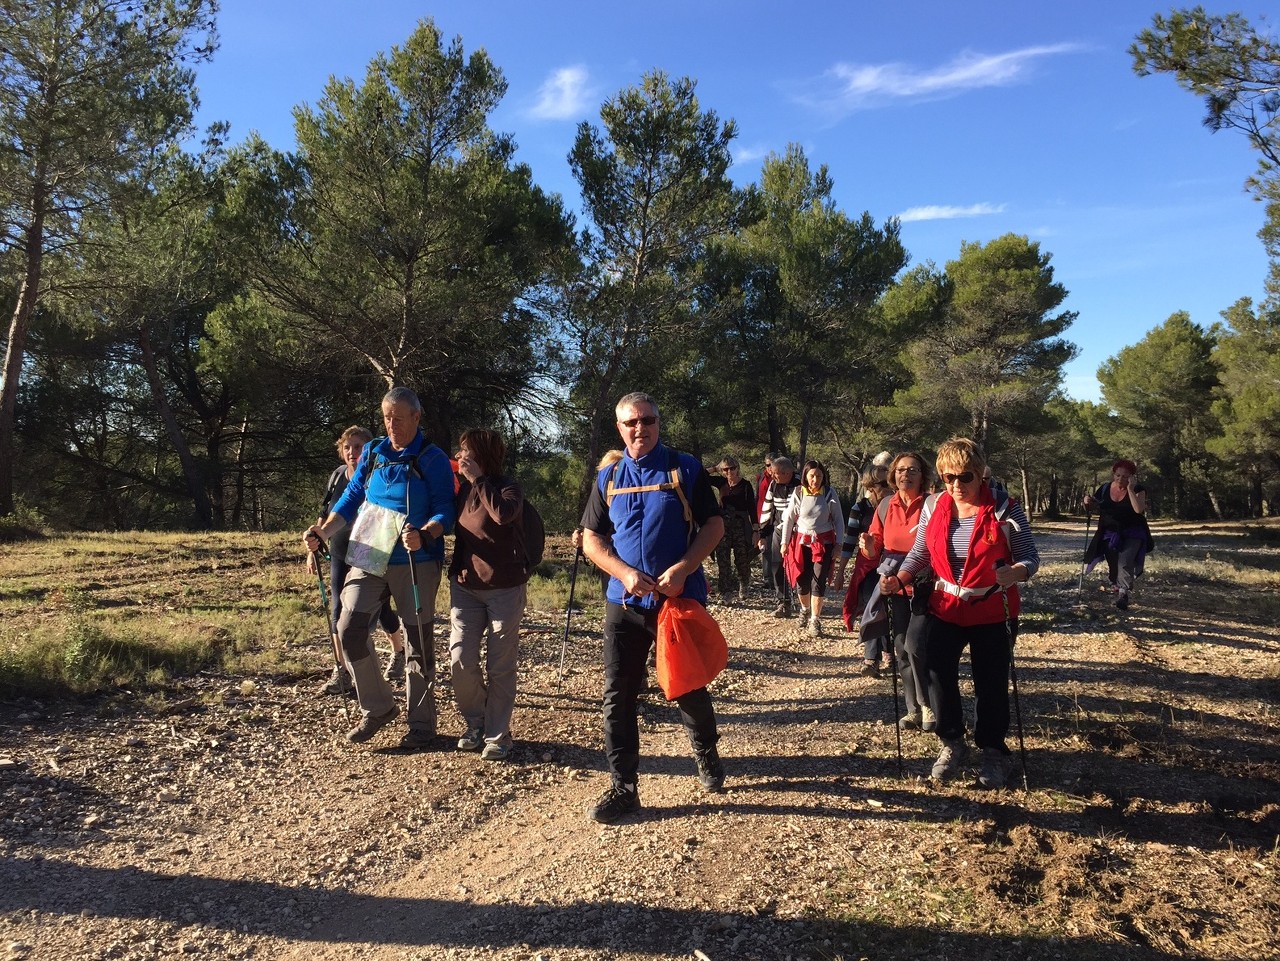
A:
(650, 522)
(399, 501)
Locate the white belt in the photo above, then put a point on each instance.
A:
(955, 590)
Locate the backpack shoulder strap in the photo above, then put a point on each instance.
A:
(611, 484)
(882, 509)
(673, 465)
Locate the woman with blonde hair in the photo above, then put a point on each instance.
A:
(977, 547)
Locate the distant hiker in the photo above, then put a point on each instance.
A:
(349, 445)
(1123, 537)
(777, 496)
(894, 524)
(809, 528)
(487, 594)
(403, 492)
(858, 523)
(650, 521)
(975, 544)
(735, 551)
(878, 471)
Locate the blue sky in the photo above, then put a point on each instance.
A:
(966, 120)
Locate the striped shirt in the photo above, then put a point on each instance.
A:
(1021, 543)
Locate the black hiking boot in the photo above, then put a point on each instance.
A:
(710, 771)
(615, 804)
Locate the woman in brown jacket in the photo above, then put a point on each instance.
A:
(487, 581)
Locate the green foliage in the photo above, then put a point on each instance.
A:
(1236, 69)
(90, 93)
(990, 352)
(654, 182)
(813, 277)
(1160, 390)
(415, 246)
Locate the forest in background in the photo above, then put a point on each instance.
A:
(190, 329)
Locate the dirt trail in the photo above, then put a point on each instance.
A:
(240, 825)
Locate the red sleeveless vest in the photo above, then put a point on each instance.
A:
(987, 546)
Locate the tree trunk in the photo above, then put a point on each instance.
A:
(16, 347)
(1051, 510)
(195, 486)
(804, 435)
(237, 508)
(775, 428)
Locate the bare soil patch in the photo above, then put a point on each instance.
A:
(238, 823)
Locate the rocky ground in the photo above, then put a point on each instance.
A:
(238, 823)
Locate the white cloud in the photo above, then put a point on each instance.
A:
(563, 95)
(949, 212)
(861, 86)
(744, 155)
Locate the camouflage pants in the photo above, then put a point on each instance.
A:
(738, 541)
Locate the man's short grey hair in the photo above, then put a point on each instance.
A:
(631, 400)
(402, 395)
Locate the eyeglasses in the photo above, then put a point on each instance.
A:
(725, 467)
(907, 470)
(648, 421)
(965, 478)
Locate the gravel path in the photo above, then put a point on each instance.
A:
(239, 824)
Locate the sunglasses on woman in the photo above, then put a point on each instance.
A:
(963, 478)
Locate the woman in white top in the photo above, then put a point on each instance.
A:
(809, 530)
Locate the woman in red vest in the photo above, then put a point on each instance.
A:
(977, 546)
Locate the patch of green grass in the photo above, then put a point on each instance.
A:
(551, 593)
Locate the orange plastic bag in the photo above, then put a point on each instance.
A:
(692, 650)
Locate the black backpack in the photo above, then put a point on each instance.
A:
(535, 534)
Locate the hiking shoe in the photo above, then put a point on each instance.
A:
(472, 740)
(869, 669)
(417, 740)
(1122, 601)
(371, 724)
(710, 771)
(804, 620)
(994, 770)
(496, 751)
(909, 722)
(615, 804)
(395, 667)
(950, 760)
(928, 722)
(780, 610)
(815, 627)
(339, 682)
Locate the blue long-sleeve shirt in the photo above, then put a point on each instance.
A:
(394, 484)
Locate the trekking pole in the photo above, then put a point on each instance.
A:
(413, 570)
(893, 669)
(1088, 518)
(323, 553)
(1013, 676)
(568, 614)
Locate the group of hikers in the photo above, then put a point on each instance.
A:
(932, 574)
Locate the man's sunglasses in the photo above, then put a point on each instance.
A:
(965, 478)
(648, 421)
